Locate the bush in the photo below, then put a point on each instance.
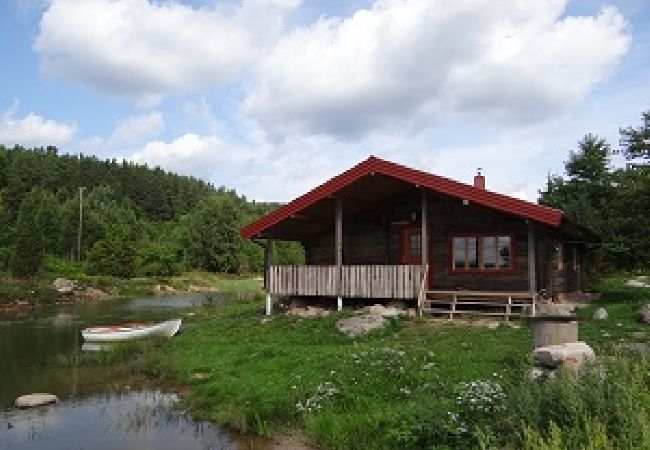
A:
(63, 267)
(114, 256)
(157, 259)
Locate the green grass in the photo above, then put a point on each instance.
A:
(408, 386)
(622, 323)
(291, 372)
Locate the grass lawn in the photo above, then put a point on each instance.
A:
(415, 384)
(346, 393)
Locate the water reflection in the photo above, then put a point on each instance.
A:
(29, 344)
(133, 421)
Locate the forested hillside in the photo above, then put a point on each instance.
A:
(136, 220)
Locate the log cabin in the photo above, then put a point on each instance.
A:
(382, 232)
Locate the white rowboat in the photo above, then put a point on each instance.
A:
(128, 332)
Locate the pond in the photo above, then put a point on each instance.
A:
(95, 412)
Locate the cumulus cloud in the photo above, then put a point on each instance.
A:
(189, 154)
(148, 49)
(138, 128)
(417, 61)
(32, 130)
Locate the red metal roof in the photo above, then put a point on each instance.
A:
(542, 214)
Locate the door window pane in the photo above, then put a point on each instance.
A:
(504, 252)
(459, 253)
(489, 252)
(415, 244)
(472, 252)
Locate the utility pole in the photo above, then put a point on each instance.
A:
(81, 217)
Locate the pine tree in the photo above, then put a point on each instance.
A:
(28, 251)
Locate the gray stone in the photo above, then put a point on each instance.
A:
(639, 282)
(644, 312)
(64, 286)
(536, 373)
(358, 325)
(34, 400)
(385, 311)
(555, 309)
(493, 325)
(639, 335)
(600, 314)
(573, 354)
(309, 311)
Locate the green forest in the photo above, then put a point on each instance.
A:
(137, 221)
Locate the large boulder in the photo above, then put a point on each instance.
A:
(573, 355)
(357, 325)
(644, 313)
(34, 400)
(64, 286)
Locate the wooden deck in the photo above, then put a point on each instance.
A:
(356, 281)
(476, 303)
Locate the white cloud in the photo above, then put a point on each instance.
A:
(33, 130)
(413, 62)
(148, 49)
(137, 129)
(189, 154)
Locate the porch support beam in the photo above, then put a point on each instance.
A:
(532, 272)
(338, 251)
(268, 249)
(425, 235)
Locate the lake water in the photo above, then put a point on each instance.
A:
(95, 412)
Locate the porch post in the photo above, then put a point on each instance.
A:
(424, 238)
(338, 251)
(267, 276)
(532, 272)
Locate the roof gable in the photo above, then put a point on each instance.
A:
(434, 183)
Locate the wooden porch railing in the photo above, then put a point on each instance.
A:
(361, 281)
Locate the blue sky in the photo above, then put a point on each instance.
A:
(272, 97)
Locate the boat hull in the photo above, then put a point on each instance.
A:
(127, 333)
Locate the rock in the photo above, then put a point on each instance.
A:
(91, 293)
(639, 282)
(555, 309)
(639, 335)
(309, 311)
(573, 354)
(64, 286)
(644, 312)
(34, 400)
(536, 373)
(199, 376)
(397, 305)
(358, 325)
(163, 289)
(600, 314)
(385, 311)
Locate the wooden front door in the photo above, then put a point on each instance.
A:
(412, 249)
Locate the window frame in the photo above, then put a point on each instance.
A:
(481, 269)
